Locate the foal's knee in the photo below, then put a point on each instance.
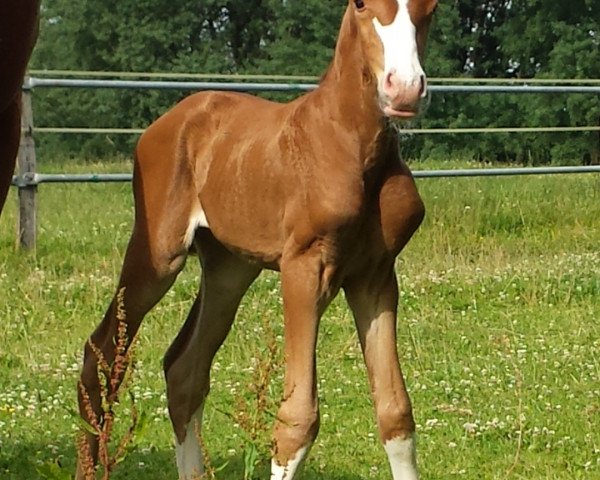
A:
(395, 421)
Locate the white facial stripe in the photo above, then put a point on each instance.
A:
(402, 456)
(400, 46)
(189, 455)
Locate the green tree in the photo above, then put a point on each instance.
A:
(546, 39)
(142, 35)
(525, 39)
(470, 38)
(302, 36)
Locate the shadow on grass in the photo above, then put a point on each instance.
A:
(27, 460)
(235, 471)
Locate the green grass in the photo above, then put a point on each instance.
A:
(498, 334)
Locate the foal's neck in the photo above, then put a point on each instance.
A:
(349, 88)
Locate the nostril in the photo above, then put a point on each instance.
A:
(389, 82)
(423, 87)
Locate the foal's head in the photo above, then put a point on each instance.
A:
(394, 33)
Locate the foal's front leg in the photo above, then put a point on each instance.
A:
(373, 300)
(305, 297)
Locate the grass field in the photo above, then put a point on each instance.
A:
(499, 335)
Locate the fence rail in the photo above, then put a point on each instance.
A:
(28, 179)
(39, 178)
(411, 131)
(34, 82)
(302, 78)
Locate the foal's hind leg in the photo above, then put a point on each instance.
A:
(225, 279)
(144, 284)
(155, 255)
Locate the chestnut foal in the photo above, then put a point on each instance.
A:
(314, 189)
(18, 32)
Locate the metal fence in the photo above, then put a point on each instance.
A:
(28, 179)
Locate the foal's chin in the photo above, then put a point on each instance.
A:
(401, 114)
(401, 118)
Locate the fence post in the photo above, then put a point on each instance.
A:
(27, 228)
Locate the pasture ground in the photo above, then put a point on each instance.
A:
(498, 327)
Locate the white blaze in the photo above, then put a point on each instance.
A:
(400, 51)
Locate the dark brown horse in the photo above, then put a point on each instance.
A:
(314, 189)
(18, 32)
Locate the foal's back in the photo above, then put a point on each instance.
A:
(260, 169)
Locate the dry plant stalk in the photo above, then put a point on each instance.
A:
(253, 420)
(112, 379)
(209, 469)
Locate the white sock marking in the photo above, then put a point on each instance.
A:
(287, 472)
(402, 456)
(190, 463)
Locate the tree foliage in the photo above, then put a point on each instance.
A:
(469, 38)
(521, 40)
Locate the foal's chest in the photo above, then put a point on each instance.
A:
(386, 217)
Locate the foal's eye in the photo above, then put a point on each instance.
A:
(359, 4)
